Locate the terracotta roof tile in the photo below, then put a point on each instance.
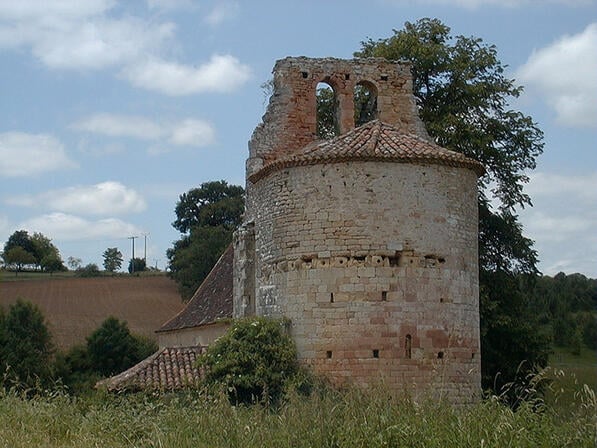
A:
(372, 141)
(211, 301)
(169, 369)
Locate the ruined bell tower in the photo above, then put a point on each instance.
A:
(367, 242)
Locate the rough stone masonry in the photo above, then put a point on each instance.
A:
(366, 242)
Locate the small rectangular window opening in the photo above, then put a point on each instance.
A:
(347, 76)
(440, 355)
(331, 297)
(384, 77)
(328, 354)
(384, 296)
(375, 353)
(304, 74)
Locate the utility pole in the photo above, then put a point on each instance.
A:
(132, 238)
(145, 252)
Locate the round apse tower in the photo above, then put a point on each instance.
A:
(366, 242)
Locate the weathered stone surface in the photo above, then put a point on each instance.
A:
(373, 257)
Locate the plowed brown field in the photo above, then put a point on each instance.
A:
(75, 307)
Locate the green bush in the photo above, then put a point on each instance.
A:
(25, 346)
(90, 270)
(112, 348)
(254, 360)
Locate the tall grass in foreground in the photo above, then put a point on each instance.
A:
(326, 419)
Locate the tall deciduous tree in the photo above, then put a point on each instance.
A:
(22, 239)
(47, 255)
(212, 204)
(206, 216)
(463, 97)
(112, 259)
(18, 257)
(74, 263)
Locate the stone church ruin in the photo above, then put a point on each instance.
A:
(366, 242)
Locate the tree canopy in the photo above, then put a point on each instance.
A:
(112, 348)
(25, 345)
(112, 259)
(206, 216)
(463, 98)
(137, 265)
(212, 204)
(40, 249)
(18, 257)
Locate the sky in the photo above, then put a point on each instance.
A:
(110, 110)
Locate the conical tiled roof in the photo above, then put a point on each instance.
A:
(373, 141)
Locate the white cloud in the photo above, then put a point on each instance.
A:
(89, 35)
(75, 35)
(24, 154)
(106, 198)
(564, 73)
(583, 187)
(188, 132)
(26, 9)
(99, 44)
(116, 125)
(222, 11)
(67, 227)
(563, 222)
(169, 5)
(4, 228)
(553, 227)
(193, 133)
(223, 73)
(474, 4)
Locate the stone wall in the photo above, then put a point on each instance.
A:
(375, 264)
(202, 336)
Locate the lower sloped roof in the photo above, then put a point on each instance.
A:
(212, 300)
(170, 368)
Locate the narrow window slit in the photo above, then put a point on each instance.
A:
(408, 346)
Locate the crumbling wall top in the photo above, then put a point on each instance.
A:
(290, 120)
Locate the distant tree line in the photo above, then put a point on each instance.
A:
(566, 307)
(37, 251)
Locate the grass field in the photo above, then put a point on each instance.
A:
(569, 373)
(327, 419)
(74, 307)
